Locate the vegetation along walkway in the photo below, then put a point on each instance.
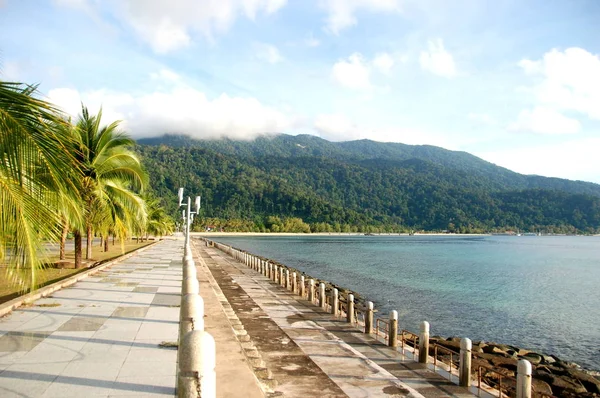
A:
(102, 336)
(298, 350)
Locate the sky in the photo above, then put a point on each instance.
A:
(515, 82)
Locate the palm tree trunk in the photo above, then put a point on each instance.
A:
(63, 240)
(88, 252)
(78, 248)
(106, 244)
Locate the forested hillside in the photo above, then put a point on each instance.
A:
(271, 183)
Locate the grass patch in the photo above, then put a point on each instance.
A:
(50, 273)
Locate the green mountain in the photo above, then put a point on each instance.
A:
(363, 185)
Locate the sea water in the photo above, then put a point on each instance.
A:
(535, 292)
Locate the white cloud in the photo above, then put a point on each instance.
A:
(170, 25)
(268, 53)
(338, 127)
(178, 109)
(482, 118)
(384, 62)
(543, 120)
(341, 13)
(352, 73)
(437, 59)
(570, 80)
(563, 160)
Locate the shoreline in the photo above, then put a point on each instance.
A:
(552, 375)
(220, 234)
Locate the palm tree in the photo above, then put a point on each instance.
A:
(159, 223)
(34, 156)
(110, 177)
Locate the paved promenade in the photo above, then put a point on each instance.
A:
(100, 337)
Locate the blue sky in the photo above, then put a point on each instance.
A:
(514, 82)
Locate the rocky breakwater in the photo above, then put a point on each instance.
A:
(551, 375)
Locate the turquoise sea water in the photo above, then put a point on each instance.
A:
(538, 292)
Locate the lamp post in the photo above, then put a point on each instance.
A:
(188, 214)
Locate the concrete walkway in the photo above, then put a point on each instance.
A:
(308, 352)
(101, 337)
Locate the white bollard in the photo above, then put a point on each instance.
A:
(302, 287)
(335, 302)
(322, 301)
(311, 291)
(189, 270)
(294, 283)
(464, 370)
(523, 379)
(191, 316)
(287, 279)
(369, 318)
(190, 286)
(281, 276)
(424, 342)
(393, 330)
(197, 363)
(350, 309)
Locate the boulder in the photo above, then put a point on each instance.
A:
(590, 383)
(534, 358)
(494, 349)
(548, 359)
(451, 345)
(540, 386)
(562, 385)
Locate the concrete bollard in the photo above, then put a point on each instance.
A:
(281, 276)
(523, 379)
(293, 283)
(369, 318)
(335, 302)
(393, 330)
(277, 275)
(189, 270)
(191, 316)
(322, 301)
(302, 287)
(287, 279)
(197, 361)
(350, 309)
(424, 342)
(311, 291)
(464, 369)
(190, 286)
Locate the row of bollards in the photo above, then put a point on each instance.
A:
(281, 275)
(196, 352)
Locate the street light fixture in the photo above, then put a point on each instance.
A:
(189, 217)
